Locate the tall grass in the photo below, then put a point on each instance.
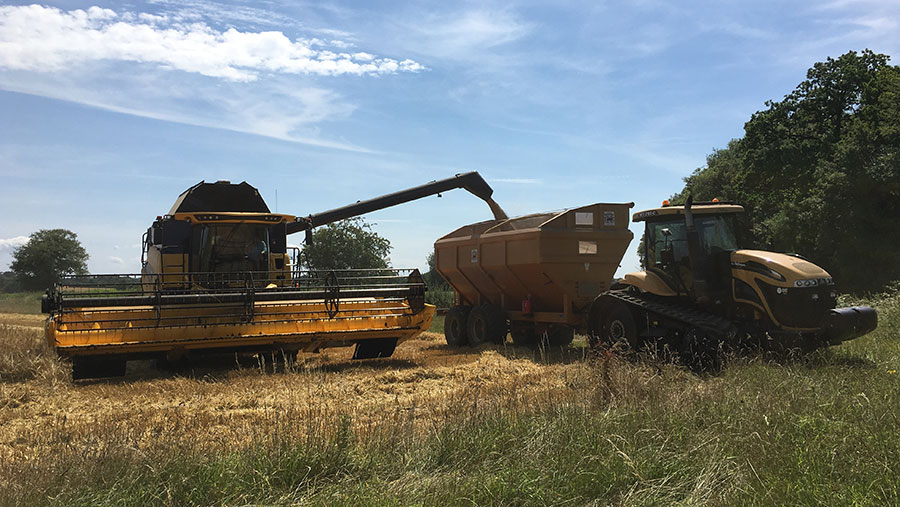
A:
(498, 429)
(25, 355)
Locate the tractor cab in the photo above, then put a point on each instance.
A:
(691, 256)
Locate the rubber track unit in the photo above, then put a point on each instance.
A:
(689, 316)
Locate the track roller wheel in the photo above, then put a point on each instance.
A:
(612, 326)
(455, 325)
(486, 324)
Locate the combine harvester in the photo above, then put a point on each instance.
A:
(545, 276)
(218, 276)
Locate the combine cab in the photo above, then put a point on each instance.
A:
(218, 276)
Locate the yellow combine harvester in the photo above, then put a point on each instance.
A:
(218, 276)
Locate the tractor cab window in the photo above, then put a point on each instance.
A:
(716, 233)
(667, 240)
(665, 237)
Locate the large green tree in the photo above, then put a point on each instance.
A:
(48, 255)
(819, 171)
(346, 244)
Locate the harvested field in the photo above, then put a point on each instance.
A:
(438, 425)
(226, 401)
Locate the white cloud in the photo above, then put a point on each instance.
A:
(46, 39)
(116, 260)
(12, 243)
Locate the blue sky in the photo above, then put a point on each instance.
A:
(109, 110)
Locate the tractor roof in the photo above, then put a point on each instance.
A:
(706, 208)
(221, 196)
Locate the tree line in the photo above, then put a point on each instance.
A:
(819, 171)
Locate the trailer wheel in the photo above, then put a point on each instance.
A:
(616, 327)
(523, 336)
(456, 324)
(559, 335)
(487, 323)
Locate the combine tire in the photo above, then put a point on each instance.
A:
(98, 367)
(616, 327)
(487, 324)
(455, 324)
(375, 348)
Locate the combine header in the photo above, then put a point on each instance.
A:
(218, 276)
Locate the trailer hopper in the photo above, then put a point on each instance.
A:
(539, 272)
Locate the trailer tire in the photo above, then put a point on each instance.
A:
(559, 335)
(523, 336)
(486, 324)
(456, 325)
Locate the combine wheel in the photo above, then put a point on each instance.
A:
(375, 348)
(613, 326)
(487, 323)
(97, 367)
(455, 324)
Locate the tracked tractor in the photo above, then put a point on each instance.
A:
(218, 276)
(701, 293)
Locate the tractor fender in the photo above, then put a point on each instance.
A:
(649, 282)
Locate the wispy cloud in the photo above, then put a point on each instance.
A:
(42, 38)
(274, 108)
(465, 35)
(206, 10)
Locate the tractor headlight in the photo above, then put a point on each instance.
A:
(814, 282)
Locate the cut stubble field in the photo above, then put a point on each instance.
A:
(439, 425)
